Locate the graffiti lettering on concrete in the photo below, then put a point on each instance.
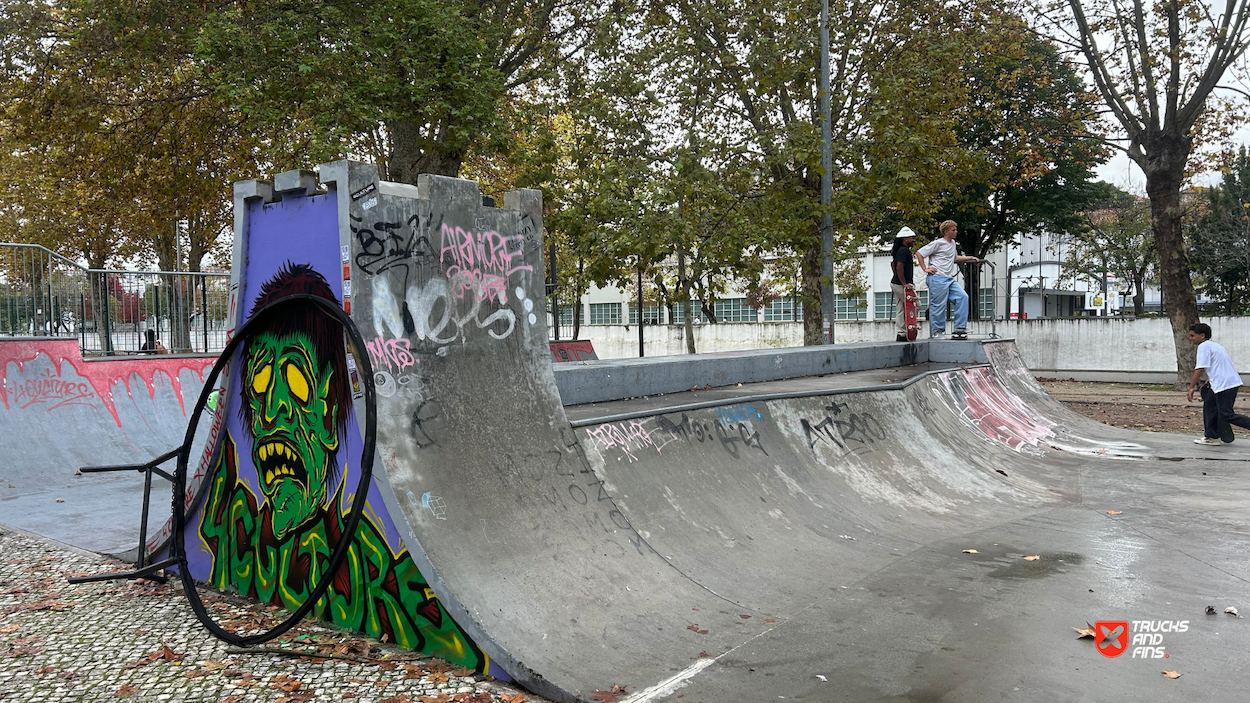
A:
(480, 262)
(386, 245)
(426, 423)
(728, 435)
(742, 412)
(850, 433)
(49, 389)
(427, 312)
(624, 440)
(394, 353)
(586, 495)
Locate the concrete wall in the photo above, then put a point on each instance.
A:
(1087, 348)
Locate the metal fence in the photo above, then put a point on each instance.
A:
(111, 312)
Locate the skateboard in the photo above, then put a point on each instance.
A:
(911, 312)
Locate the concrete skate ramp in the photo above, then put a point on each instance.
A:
(59, 412)
(626, 553)
(804, 542)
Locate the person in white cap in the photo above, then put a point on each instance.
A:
(901, 267)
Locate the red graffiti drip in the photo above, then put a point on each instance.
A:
(103, 374)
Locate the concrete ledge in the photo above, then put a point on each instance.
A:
(616, 379)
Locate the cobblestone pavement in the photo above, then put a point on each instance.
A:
(139, 641)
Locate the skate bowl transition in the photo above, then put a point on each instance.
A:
(59, 412)
(835, 523)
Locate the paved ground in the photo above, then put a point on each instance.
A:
(138, 641)
(1137, 406)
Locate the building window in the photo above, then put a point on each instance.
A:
(679, 312)
(605, 313)
(985, 304)
(566, 315)
(922, 304)
(735, 310)
(782, 310)
(650, 314)
(886, 306)
(850, 308)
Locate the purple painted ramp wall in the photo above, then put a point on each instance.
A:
(287, 455)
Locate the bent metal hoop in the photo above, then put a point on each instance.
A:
(178, 548)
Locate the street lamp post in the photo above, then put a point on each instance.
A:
(826, 179)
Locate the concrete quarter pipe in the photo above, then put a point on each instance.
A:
(805, 547)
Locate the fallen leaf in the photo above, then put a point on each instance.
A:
(9, 628)
(1032, 558)
(396, 699)
(127, 689)
(512, 697)
(1115, 512)
(1001, 471)
(971, 551)
(1231, 611)
(821, 677)
(745, 617)
(60, 500)
(45, 670)
(1171, 674)
(285, 683)
(197, 673)
(232, 699)
(440, 698)
(439, 677)
(1210, 610)
(1087, 632)
(769, 620)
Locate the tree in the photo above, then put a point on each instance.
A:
(413, 84)
(1156, 65)
(1030, 128)
(1219, 241)
(1116, 239)
(744, 75)
(116, 137)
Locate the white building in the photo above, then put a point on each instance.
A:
(1025, 278)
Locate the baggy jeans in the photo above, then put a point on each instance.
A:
(1218, 415)
(941, 288)
(900, 310)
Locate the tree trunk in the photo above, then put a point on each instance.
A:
(412, 154)
(683, 295)
(577, 311)
(1163, 186)
(813, 324)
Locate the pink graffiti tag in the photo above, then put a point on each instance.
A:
(395, 353)
(625, 438)
(480, 262)
(48, 388)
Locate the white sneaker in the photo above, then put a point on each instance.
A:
(1214, 441)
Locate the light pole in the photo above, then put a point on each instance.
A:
(826, 180)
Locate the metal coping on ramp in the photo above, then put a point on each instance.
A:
(499, 536)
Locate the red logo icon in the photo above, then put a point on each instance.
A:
(1112, 636)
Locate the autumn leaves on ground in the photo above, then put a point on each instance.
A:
(1137, 406)
(138, 641)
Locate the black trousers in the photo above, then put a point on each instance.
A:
(1218, 415)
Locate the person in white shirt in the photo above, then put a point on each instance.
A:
(1219, 393)
(941, 271)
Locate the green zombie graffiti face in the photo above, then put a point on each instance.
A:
(294, 430)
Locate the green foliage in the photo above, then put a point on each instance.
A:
(1115, 238)
(1030, 130)
(1219, 241)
